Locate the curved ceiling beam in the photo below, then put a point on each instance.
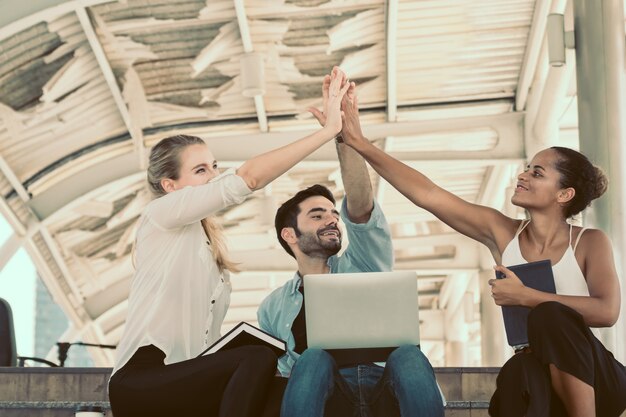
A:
(238, 148)
(246, 39)
(89, 179)
(107, 73)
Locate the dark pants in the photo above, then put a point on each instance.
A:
(230, 383)
(558, 335)
(275, 393)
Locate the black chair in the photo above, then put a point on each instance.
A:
(8, 353)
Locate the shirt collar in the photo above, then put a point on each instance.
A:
(295, 283)
(297, 279)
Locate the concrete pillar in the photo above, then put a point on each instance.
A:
(599, 28)
(456, 337)
(456, 353)
(456, 333)
(495, 350)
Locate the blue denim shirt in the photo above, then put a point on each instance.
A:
(369, 250)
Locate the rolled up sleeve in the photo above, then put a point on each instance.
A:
(370, 248)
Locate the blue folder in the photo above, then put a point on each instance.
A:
(537, 275)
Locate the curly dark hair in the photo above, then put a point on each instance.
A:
(579, 173)
(287, 214)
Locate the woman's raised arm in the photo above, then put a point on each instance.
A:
(481, 223)
(263, 169)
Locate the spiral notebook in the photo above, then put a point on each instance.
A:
(537, 275)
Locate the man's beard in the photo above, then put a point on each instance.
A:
(312, 245)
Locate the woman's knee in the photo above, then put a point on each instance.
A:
(260, 356)
(519, 362)
(547, 308)
(547, 318)
(519, 367)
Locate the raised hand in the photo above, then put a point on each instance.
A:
(334, 88)
(351, 129)
(317, 113)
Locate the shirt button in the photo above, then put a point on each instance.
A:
(212, 301)
(287, 325)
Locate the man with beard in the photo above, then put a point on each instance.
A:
(307, 228)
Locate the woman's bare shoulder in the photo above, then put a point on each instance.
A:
(592, 241)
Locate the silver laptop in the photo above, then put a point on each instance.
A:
(362, 310)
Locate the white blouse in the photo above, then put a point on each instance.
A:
(178, 297)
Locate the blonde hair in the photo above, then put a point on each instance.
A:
(215, 234)
(165, 162)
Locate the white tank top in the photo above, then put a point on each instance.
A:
(568, 278)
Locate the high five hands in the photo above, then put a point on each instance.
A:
(351, 127)
(334, 89)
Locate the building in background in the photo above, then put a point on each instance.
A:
(50, 324)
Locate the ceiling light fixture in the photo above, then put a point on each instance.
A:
(558, 39)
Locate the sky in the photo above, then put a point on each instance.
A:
(17, 286)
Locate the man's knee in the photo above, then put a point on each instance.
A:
(315, 361)
(409, 358)
(315, 355)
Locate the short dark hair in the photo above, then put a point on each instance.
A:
(287, 214)
(579, 173)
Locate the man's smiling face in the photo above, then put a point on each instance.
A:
(318, 227)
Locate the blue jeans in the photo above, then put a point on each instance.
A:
(406, 387)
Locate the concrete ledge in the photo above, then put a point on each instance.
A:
(50, 405)
(75, 385)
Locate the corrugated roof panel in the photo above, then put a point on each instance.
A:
(70, 100)
(159, 9)
(23, 69)
(62, 140)
(446, 46)
(292, 67)
(21, 210)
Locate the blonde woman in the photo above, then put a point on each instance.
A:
(181, 289)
